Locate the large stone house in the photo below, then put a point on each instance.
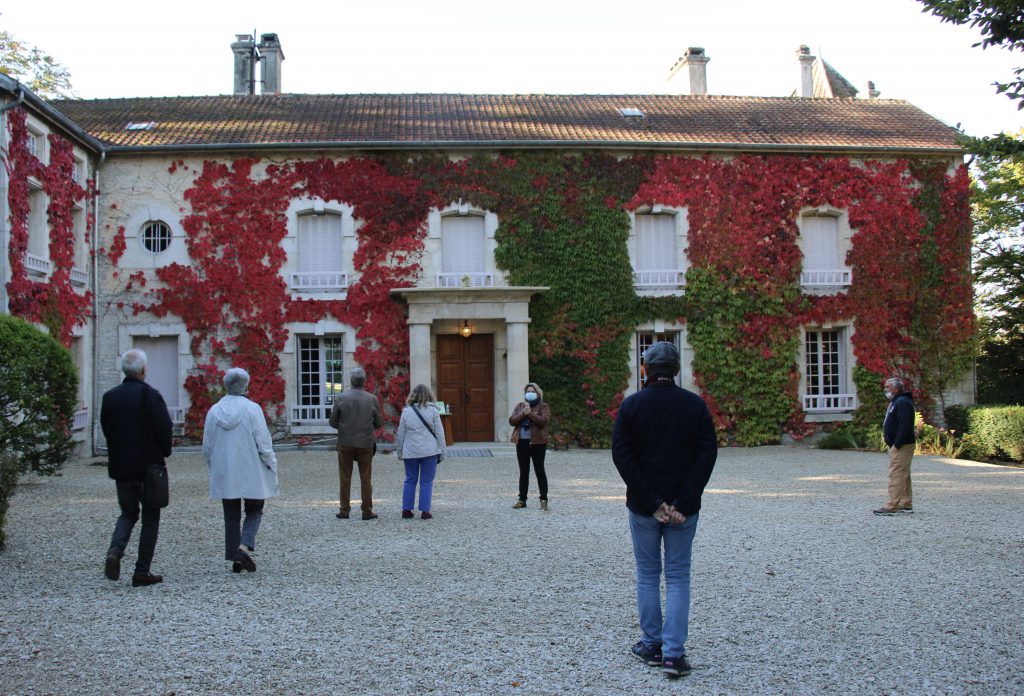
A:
(794, 248)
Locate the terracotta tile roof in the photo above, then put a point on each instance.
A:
(369, 121)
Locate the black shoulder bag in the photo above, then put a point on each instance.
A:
(155, 487)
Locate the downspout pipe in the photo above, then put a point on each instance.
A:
(94, 243)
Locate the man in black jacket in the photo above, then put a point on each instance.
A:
(137, 428)
(898, 432)
(664, 446)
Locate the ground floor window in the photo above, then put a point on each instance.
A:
(825, 371)
(162, 370)
(320, 378)
(646, 339)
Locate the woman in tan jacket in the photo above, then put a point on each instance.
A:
(529, 422)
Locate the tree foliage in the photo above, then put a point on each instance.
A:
(34, 68)
(998, 210)
(38, 390)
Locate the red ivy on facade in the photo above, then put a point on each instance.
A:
(54, 303)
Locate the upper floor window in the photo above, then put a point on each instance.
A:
(156, 236)
(36, 143)
(320, 261)
(658, 262)
(823, 263)
(462, 252)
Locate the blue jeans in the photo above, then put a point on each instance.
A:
(422, 468)
(130, 499)
(648, 537)
(233, 536)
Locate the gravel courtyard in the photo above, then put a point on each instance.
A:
(797, 587)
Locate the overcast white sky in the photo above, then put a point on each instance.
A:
(134, 49)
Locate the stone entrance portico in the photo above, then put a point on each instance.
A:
(501, 311)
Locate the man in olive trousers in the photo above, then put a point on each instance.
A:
(356, 416)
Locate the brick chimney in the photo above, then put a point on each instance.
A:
(697, 62)
(245, 64)
(806, 60)
(271, 57)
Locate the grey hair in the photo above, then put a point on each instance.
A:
(357, 377)
(133, 362)
(420, 396)
(236, 381)
(898, 382)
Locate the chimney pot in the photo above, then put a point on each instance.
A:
(271, 57)
(872, 92)
(697, 62)
(806, 61)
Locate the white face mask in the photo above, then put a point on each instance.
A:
(889, 395)
(530, 396)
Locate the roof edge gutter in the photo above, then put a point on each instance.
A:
(533, 145)
(29, 97)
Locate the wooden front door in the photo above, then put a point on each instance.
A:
(465, 381)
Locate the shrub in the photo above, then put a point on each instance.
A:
(999, 430)
(853, 436)
(9, 470)
(38, 390)
(957, 418)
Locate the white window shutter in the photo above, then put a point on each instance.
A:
(821, 243)
(462, 244)
(161, 365)
(655, 243)
(320, 243)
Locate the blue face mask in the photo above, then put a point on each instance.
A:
(530, 396)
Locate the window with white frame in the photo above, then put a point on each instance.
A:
(79, 275)
(825, 371)
(162, 370)
(646, 339)
(156, 236)
(823, 266)
(36, 143)
(320, 262)
(462, 252)
(320, 378)
(37, 256)
(81, 416)
(657, 254)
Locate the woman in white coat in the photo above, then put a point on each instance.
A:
(243, 468)
(420, 444)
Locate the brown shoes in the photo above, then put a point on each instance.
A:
(141, 579)
(884, 510)
(370, 515)
(520, 504)
(426, 516)
(341, 515)
(407, 514)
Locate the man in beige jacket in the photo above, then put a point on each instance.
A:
(356, 415)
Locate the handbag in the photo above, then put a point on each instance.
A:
(155, 488)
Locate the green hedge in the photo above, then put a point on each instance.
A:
(999, 430)
(996, 431)
(9, 470)
(38, 393)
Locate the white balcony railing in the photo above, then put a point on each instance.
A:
(177, 414)
(37, 264)
(465, 280)
(80, 419)
(830, 403)
(833, 278)
(310, 413)
(319, 282)
(79, 277)
(659, 279)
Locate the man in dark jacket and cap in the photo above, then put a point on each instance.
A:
(898, 432)
(664, 446)
(137, 428)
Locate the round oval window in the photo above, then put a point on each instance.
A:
(156, 236)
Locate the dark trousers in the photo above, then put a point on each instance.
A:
(234, 535)
(130, 499)
(363, 456)
(525, 451)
